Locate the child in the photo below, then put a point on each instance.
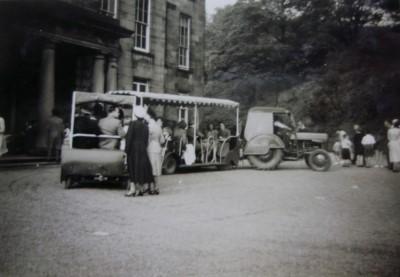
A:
(368, 142)
(337, 149)
(346, 146)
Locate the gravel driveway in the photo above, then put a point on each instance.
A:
(244, 222)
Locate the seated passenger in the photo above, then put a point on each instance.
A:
(85, 123)
(190, 133)
(212, 141)
(180, 134)
(98, 111)
(223, 132)
(112, 126)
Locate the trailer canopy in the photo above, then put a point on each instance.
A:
(176, 99)
(89, 97)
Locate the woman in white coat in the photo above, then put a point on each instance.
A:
(394, 145)
(154, 149)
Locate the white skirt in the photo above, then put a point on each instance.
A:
(394, 151)
(156, 163)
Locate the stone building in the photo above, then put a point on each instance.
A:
(49, 48)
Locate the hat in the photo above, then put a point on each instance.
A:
(139, 111)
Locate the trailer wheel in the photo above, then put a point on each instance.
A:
(67, 182)
(169, 165)
(271, 160)
(319, 160)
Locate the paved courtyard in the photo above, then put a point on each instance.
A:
(244, 222)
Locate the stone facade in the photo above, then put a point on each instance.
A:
(160, 65)
(49, 48)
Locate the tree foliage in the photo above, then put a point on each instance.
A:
(260, 51)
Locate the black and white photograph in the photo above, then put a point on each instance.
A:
(202, 138)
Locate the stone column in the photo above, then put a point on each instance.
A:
(98, 74)
(125, 70)
(112, 73)
(46, 92)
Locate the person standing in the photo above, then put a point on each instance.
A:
(154, 149)
(139, 167)
(346, 147)
(55, 135)
(111, 126)
(387, 124)
(368, 143)
(3, 143)
(394, 145)
(337, 148)
(358, 157)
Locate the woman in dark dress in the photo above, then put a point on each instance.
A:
(139, 167)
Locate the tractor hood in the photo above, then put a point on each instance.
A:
(315, 137)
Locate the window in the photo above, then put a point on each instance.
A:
(184, 42)
(109, 7)
(183, 114)
(142, 25)
(140, 85)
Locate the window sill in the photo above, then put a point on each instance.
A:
(142, 52)
(185, 69)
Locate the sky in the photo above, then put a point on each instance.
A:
(212, 4)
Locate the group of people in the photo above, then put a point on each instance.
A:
(98, 123)
(141, 139)
(143, 147)
(361, 149)
(3, 142)
(53, 135)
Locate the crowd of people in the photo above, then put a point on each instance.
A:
(363, 150)
(145, 140)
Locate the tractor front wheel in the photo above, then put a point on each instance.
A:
(319, 160)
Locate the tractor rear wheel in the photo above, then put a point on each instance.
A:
(271, 160)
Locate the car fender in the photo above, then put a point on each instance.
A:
(261, 144)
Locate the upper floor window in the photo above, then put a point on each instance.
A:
(142, 25)
(140, 85)
(184, 42)
(109, 7)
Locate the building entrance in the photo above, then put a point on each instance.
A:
(73, 71)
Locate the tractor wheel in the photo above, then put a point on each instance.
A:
(270, 160)
(306, 157)
(67, 182)
(169, 165)
(319, 160)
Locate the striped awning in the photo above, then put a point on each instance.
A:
(90, 97)
(175, 99)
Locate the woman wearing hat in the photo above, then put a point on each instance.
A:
(139, 167)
